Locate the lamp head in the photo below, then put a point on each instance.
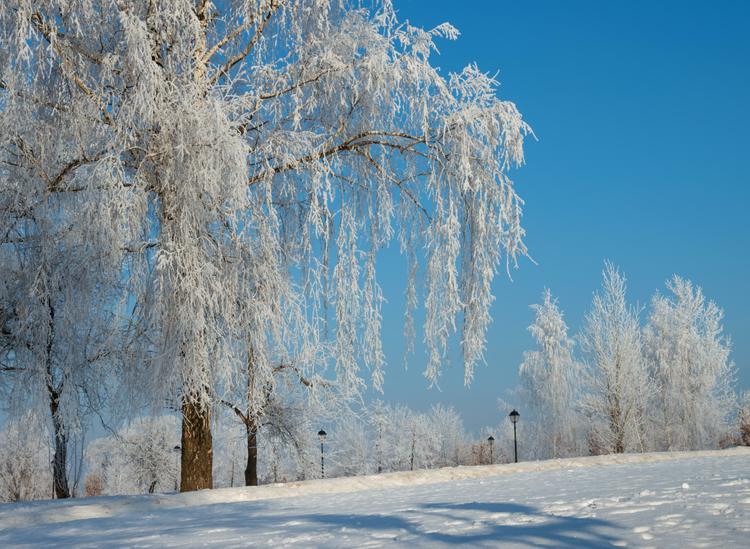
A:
(514, 415)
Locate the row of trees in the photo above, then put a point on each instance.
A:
(193, 196)
(143, 456)
(620, 386)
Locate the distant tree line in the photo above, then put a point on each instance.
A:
(622, 385)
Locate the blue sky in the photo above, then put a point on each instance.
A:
(641, 113)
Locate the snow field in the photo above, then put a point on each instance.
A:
(687, 499)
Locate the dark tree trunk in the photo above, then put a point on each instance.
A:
(619, 444)
(251, 424)
(251, 470)
(617, 426)
(618, 430)
(60, 459)
(197, 448)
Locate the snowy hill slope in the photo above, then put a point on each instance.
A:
(689, 499)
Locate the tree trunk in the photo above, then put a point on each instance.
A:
(620, 443)
(197, 448)
(251, 471)
(59, 461)
(617, 426)
(413, 444)
(251, 424)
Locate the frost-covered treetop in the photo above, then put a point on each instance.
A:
(257, 154)
(550, 331)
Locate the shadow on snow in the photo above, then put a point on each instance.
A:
(242, 523)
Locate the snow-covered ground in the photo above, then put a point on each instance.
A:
(698, 499)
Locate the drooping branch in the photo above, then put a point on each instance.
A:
(46, 31)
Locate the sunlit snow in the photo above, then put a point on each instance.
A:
(663, 500)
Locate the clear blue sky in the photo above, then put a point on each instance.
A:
(642, 113)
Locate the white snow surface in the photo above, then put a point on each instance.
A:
(685, 499)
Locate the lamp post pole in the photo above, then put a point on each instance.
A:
(322, 436)
(514, 415)
(177, 450)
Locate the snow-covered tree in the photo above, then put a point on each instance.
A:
(277, 442)
(618, 386)
(448, 434)
(25, 460)
(550, 382)
(395, 438)
(230, 452)
(378, 422)
(58, 284)
(689, 358)
(303, 134)
(348, 442)
(290, 400)
(399, 438)
(142, 457)
(743, 419)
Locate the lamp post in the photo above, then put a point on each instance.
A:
(177, 450)
(514, 415)
(322, 436)
(491, 440)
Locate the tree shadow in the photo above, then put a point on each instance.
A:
(486, 524)
(249, 523)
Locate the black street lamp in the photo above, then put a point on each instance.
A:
(177, 450)
(491, 440)
(322, 436)
(514, 415)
